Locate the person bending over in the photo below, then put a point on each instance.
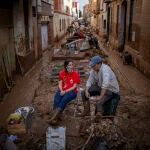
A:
(102, 84)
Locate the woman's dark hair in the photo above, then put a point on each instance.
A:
(66, 63)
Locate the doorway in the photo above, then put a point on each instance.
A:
(122, 26)
(44, 33)
(108, 22)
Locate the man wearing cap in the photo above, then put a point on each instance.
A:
(102, 84)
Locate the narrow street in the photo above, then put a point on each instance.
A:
(37, 90)
(37, 36)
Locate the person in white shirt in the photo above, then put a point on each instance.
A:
(102, 84)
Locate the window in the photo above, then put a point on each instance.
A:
(60, 25)
(65, 23)
(104, 24)
(33, 11)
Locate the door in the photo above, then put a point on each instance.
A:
(44, 33)
(108, 22)
(122, 26)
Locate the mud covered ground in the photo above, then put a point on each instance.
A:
(128, 130)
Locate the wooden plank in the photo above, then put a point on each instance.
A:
(16, 128)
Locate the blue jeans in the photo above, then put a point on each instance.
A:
(60, 102)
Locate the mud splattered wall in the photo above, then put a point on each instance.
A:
(6, 33)
(19, 28)
(145, 30)
(136, 20)
(139, 44)
(137, 33)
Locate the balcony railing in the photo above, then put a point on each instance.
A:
(107, 1)
(96, 10)
(49, 1)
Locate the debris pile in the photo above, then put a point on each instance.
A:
(107, 130)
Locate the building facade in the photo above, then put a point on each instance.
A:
(62, 17)
(124, 23)
(75, 10)
(46, 21)
(16, 40)
(128, 30)
(86, 11)
(21, 39)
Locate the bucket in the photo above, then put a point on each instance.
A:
(55, 138)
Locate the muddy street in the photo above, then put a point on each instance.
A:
(132, 120)
(128, 130)
(74, 75)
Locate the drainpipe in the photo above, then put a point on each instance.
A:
(39, 6)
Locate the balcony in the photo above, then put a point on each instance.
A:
(108, 1)
(96, 10)
(49, 1)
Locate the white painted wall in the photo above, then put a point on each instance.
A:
(57, 17)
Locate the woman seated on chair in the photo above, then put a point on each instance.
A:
(67, 90)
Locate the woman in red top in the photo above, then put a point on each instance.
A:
(67, 89)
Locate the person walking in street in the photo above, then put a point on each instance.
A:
(67, 90)
(102, 84)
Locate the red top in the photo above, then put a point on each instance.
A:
(80, 35)
(69, 79)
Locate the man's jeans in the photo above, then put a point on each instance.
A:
(60, 102)
(95, 91)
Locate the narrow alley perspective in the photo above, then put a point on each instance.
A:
(96, 50)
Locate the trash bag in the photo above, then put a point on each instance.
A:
(6, 143)
(127, 58)
(100, 144)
